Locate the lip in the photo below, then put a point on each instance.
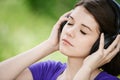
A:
(66, 41)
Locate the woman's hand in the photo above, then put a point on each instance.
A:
(54, 36)
(102, 56)
(97, 59)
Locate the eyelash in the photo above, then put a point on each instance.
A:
(83, 32)
(80, 30)
(69, 23)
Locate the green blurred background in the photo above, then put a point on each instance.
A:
(26, 23)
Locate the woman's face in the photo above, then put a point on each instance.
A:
(79, 34)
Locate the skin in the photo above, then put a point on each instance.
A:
(81, 31)
(81, 37)
(80, 66)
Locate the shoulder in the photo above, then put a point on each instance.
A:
(48, 64)
(49, 68)
(105, 76)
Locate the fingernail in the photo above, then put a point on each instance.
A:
(119, 35)
(102, 34)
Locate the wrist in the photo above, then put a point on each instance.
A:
(50, 45)
(86, 68)
(85, 71)
(53, 43)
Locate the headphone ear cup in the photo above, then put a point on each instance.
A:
(119, 31)
(95, 46)
(108, 40)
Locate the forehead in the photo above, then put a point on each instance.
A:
(82, 16)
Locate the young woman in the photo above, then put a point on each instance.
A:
(90, 39)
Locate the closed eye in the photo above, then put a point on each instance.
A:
(69, 23)
(83, 32)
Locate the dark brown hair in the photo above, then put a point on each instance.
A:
(105, 16)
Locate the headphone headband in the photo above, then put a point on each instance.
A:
(116, 7)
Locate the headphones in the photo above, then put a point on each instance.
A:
(109, 39)
(116, 8)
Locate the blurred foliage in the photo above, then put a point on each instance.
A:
(26, 23)
(54, 8)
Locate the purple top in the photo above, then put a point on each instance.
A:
(50, 70)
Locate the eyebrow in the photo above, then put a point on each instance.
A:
(71, 17)
(87, 27)
(82, 24)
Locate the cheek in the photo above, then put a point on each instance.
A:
(85, 46)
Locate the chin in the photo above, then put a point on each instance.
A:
(69, 53)
(64, 51)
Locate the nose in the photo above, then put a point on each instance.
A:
(71, 32)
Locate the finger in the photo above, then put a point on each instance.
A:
(111, 55)
(67, 14)
(101, 46)
(113, 45)
(63, 18)
(114, 52)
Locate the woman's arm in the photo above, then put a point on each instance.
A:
(16, 66)
(11, 68)
(97, 59)
(25, 75)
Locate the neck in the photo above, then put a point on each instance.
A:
(73, 65)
